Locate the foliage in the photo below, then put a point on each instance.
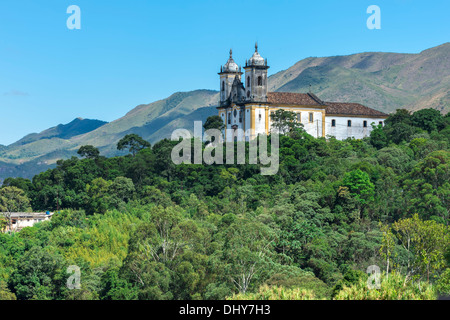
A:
(89, 152)
(141, 227)
(394, 287)
(133, 143)
(276, 293)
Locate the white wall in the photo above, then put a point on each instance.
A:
(341, 131)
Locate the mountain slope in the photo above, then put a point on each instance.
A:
(147, 120)
(384, 81)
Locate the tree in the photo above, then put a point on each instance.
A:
(39, 275)
(89, 152)
(285, 121)
(378, 137)
(428, 119)
(13, 199)
(428, 187)
(425, 244)
(359, 184)
(396, 287)
(121, 190)
(5, 294)
(247, 251)
(133, 143)
(214, 122)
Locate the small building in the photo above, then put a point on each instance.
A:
(246, 109)
(20, 220)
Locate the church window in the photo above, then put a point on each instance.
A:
(259, 81)
(349, 123)
(365, 124)
(240, 116)
(234, 113)
(311, 117)
(248, 94)
(223, 85)
(333, 123)
(248, 81)
(229, 117)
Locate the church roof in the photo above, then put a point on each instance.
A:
(348, 108)
(310, 99)
(307, 99)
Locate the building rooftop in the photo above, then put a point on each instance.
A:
(352, 109)
(307, 99)
(26, 214)
(310, 99)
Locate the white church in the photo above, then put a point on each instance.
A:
(245, 110)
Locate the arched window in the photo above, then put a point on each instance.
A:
(248, 81)
(259, 81)
(223, 85)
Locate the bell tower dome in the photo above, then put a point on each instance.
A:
(256, 78)
(227, 74)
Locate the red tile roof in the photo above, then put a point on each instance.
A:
(310, 99)
(351, 109)
(293, 98)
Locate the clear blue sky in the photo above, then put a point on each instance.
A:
(137, 51)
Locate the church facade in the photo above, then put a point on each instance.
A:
(246, 109)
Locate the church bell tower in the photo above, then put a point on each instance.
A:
(227, 74)
(256, 78)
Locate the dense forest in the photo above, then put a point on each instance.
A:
(140, 227)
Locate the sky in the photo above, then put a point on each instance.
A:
(135, 52)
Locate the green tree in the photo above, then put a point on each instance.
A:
(89, 152)
(428, 187)
(133, 143)
(428, 119)
(214, 122)
(39, 276)
(425, 243)
(13, 199)
(285, 121)
(378, 137)
(359, 184)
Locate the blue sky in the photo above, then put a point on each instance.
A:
(133, 52)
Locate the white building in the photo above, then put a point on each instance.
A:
(20, 220)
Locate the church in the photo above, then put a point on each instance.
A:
(246, 109)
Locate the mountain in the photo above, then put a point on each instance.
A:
(62, 131)
(34, 152)
(379, 80)
(383, 81)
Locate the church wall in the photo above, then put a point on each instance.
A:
(357, 130)
(314, 128)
